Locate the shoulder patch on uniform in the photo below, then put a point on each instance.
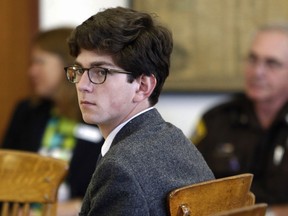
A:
(199, 133)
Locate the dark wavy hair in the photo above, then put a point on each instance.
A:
(136, 42)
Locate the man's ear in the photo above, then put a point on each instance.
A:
(145, 88)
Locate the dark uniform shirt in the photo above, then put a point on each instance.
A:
(232, 141)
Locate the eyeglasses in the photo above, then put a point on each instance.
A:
(271, 64)
(97, 75)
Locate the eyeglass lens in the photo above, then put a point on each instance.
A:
(96, 75)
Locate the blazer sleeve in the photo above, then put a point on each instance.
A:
(114, 191)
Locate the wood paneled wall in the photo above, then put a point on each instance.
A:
(211, 39)
(19, 23)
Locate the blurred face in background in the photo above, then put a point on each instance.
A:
(266, 71)
(46, 73)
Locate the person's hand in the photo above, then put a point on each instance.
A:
(277, 210)
(69, 208)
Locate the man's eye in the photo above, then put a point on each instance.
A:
(251, 60)
(101, 72)
(78, 70)
(273, 64)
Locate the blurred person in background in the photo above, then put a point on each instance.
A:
(250, 133)
(50, 121)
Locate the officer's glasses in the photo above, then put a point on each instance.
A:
(271, 64)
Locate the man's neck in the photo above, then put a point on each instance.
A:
(106, 129)
(267, 111)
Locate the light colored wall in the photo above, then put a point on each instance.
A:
(183, 110)
(55, 13)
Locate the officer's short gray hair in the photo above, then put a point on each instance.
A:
(280, 27)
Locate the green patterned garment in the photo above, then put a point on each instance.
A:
(59, 140)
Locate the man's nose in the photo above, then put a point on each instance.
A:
(84, 82)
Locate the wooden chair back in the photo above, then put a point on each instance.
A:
(253, 210)
(210, 197)
(27, 178)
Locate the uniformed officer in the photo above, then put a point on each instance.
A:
(250, 132)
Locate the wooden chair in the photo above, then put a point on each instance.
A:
(210, 197)
(27, 178)
(253, 210)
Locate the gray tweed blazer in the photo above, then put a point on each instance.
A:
(147, 159)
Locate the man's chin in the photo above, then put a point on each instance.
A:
(87, 119)
(259, 97)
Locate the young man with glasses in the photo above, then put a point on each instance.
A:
(250, 133)
(122, 61)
